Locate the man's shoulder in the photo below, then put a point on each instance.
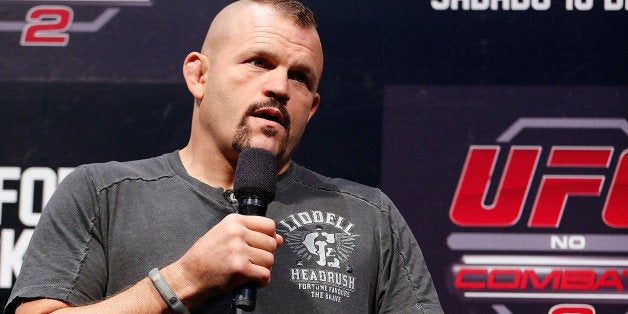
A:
(109, 173)
(341, 186)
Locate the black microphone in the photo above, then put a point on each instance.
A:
(254, 188)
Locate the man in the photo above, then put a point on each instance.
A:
(254, 85)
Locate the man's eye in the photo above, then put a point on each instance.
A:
(260, 63)
(300, 77)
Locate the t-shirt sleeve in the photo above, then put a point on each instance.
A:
(405, 284)
(65, 259)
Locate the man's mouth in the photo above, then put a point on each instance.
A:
(271, 114)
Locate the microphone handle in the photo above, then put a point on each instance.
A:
(252, 206)
(245, 299)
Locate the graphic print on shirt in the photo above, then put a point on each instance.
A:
(322, 243)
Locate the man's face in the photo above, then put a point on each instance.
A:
(261, 83)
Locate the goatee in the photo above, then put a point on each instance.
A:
(242, 137)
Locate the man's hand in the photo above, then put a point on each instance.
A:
(238, 249)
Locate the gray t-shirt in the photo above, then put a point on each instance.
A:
(346, 247)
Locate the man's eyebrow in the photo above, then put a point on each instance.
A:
(259, 51)
(298, 66)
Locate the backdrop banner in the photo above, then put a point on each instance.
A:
(498, 127)
(521, 209)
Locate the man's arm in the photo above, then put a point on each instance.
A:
(405, 281)
(37, 306)
(137, 299)
(236, 250)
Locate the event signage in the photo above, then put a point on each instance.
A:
(523, 5)
(538, 211)
(51, 24)
(548, 276)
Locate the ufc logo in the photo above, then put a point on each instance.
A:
(469, 206)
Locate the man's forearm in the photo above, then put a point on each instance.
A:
(142, 297)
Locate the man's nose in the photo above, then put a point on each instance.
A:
(277, 86)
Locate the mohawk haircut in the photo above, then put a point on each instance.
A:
(292, 9)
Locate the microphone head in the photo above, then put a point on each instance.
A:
(255, 174)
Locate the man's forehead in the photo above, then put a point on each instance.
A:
(241, 12)
(239, 16)
(237, 26)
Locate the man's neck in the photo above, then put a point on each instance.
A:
(211, 169)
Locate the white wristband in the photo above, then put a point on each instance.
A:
(166, 292)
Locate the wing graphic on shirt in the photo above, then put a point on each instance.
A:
(295, 241)
(345, 244)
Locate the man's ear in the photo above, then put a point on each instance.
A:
(315, 102)
(195, 68)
